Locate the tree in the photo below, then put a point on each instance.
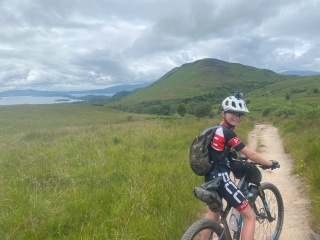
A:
(288, 96)
(203, 110)
(163, 109)
(182, 109)
(192, 108)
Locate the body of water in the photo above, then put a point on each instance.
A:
(94, 94)
(34, 100)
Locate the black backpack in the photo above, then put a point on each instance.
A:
(199, 152)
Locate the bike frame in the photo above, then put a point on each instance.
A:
(257, 194)
(243, 185)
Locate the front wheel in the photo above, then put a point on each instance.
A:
(204, 229)
(267, 228)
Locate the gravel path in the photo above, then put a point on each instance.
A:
(265, 139)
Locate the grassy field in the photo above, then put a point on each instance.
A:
(22, 118)
(85, 172)
(95, 180)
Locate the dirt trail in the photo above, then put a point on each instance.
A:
(265, 139)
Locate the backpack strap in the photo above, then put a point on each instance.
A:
(221, 158)
(224, 153)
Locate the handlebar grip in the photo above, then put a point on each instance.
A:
(274, 166)
(277, 166)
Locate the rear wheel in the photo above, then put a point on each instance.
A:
(265, 228)
(204, 229)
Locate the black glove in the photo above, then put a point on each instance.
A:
(275, 165)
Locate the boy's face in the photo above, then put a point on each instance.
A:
(233, 118)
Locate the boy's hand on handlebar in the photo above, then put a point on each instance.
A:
(274, 165)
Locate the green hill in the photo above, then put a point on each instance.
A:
(299, 87)
(203, 77)
(201, 84)
(301, 93)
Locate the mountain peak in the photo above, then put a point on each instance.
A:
(206, 76)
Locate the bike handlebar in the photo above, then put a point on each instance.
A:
(275, 164)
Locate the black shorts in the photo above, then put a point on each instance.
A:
(227, 188)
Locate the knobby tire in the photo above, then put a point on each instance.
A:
(265, 229)
(196, 230)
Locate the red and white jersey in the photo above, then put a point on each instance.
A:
(223, 137)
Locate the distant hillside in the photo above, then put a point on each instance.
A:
(31, 92)
(300, 73)
(203, 77)
(287, 97)
(298, 88)
(199, 88)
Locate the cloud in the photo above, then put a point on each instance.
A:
(61, 45)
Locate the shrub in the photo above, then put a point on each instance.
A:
(182, 109)
(288, 96)
(268, 111)
(285, 111)
(281, 111)
(203, 110)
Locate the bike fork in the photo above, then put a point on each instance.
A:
(265, 204)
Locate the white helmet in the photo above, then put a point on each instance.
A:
(235, 104)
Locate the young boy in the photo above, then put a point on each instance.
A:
(233, 109)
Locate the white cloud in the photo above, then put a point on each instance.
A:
(55, 45)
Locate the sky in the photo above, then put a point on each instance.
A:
(80, 45)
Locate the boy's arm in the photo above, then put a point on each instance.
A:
(255, 157)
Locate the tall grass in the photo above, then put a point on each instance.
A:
(302, 142)
(20, 118)
(119, 181)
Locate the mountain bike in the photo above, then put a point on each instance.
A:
(264, 198)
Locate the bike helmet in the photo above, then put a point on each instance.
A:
(235, 104)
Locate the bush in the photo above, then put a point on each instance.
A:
(203, 110)
(182, 109)
(288, 96)
(285, 112)
(280, 111)
(268, 111)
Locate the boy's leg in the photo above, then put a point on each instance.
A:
(212, 215)
(249, 219)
